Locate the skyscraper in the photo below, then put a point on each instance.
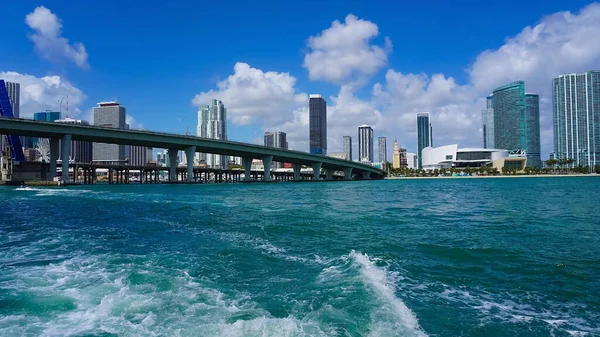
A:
(109, 115)
(14, 96)
(487, 117)
(140, 155)
(317, 111)
(532, 138)
(45, 116)
(269, 139)
(280, 140)
(382, 148)
(424, 132)
(365, 143)
(212, 123)
(348, 147)
(516, 121)
(576, 108)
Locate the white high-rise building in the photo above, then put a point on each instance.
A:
(212, 123)
(365, 143)
(110, 115)
(348, 147)
(382, 147)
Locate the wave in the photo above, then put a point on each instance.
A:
(389, 315)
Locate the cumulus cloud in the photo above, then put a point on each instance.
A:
(45, 93)
(344, 52)
(250, 94)
(48, 40)
(133, 124)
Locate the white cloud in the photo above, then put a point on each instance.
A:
(48, 41)
(250, 94)
(344, 52)
(133, 124)
(45, 93)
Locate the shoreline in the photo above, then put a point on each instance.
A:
(499, 176)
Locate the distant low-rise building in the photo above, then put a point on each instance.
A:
(450, 156)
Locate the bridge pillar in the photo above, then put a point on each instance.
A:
(53, 157)
(172, 165)
(348, 173)
(329, 173)
(297, 168)
(267, 160)
(316, 171)
(366, 175)
(247, 162)
(190, 151)
(65, 148)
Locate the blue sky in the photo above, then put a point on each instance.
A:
(154, 58)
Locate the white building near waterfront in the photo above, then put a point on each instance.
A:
(212, 123)
(450, 156)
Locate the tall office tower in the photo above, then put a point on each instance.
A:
(424, 134)
(348, 147)
(365, 143)
(517, 121)
(81, 151)
(317, 111)
(532, 134)
(396, 154)
(269, 139)
(14, 93)
(14, 96)
(382, 149)
(576, 107)
(139, 155)
(280, 140)
(109, 115)
(212, 123)
(487, 118)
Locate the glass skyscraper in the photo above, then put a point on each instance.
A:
(365, 143)
(424, 132)
(517, 121)
(576, 108)
(317, 110)
(487, 117)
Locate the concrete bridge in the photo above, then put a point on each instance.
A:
(175, 143)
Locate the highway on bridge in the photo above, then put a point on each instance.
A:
(175, 142)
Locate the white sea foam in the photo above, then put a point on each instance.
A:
(393, 316)
(107, 300)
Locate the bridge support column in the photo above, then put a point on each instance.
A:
(190, 151)
(53, 157)
(316, 171)
(267, 160)
(297, 168)
(247, 162)
(348, 173)
(329, 173)
(172, 165)
(366, 175)
(65, 148)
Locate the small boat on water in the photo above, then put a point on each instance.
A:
(24, 188)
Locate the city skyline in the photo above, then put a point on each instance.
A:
(456, 102)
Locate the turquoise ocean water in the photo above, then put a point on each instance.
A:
(456, 257)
